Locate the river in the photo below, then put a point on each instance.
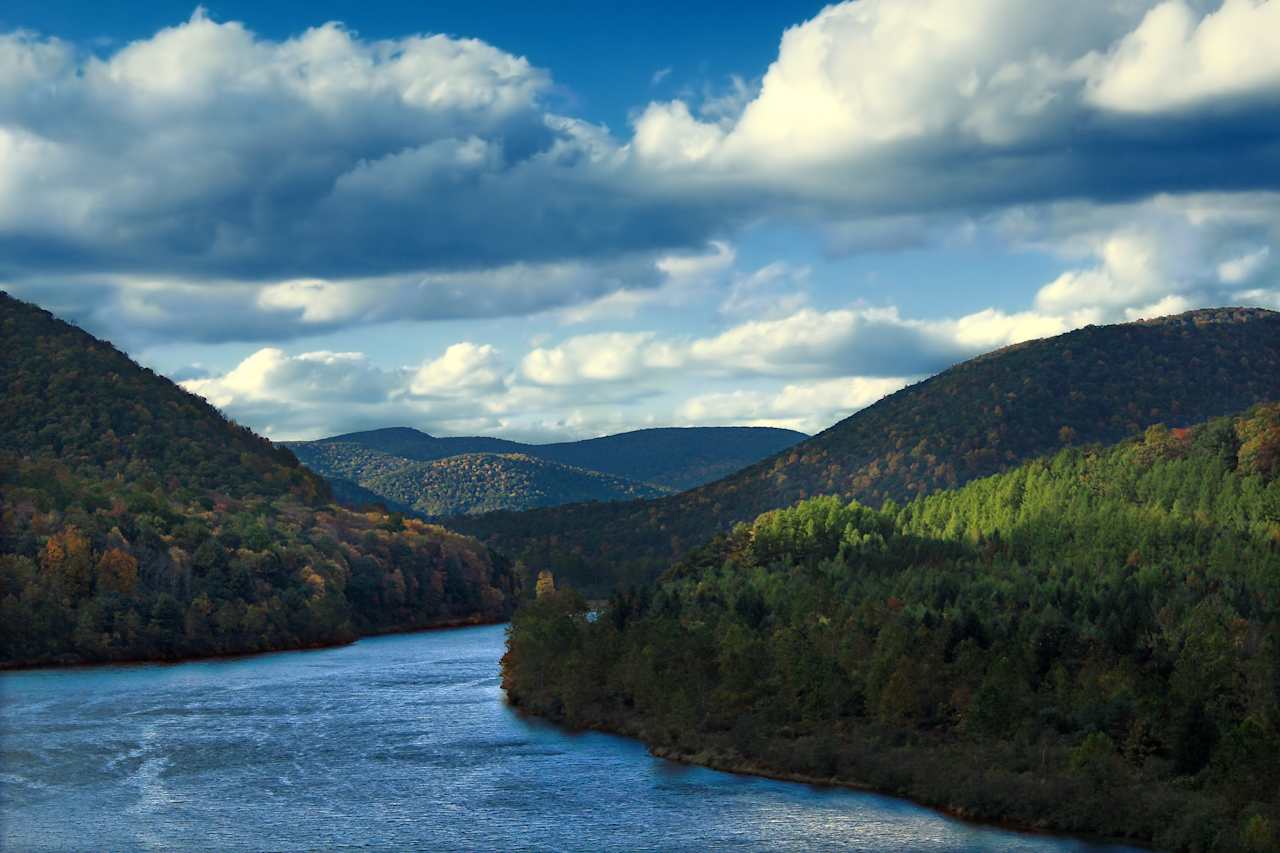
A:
(396, 742)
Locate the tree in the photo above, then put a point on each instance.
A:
(117, 571)
(68, 562)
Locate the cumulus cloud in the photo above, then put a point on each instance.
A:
(1162, 255)
(313, 168)
(871, 342)
(467, 389)
(806, 406)
(465, 368)
(326, 179)
(884, 108)
(1179, 56)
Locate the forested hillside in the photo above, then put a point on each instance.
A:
(1096, 384)
(483, 482)
(1089, 643)
(641, 463)
(137, 522)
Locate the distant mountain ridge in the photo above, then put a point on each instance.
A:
(1095, 384)
(637, 464)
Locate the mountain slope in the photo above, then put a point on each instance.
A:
(482, 482)
(676, 458)
(1095, 384)
(1087, 643)
(137, 522)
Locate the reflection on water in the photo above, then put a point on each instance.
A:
(391, 743)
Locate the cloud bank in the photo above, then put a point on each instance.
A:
(328, 179)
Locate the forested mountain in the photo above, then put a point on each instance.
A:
(630, 465)
(1096, 384)
(137, 522)
(410, 443)
(1088, 643)
(671, 459)
(483, 482)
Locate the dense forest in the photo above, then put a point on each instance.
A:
(637, 464)
(1096, 384)
(1088, 643)
(136, 522)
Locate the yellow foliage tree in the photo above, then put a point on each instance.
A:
(69, 562)
(117, 571)
(546, 583)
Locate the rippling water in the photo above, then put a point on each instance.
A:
(393, 743)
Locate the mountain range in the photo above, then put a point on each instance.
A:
(410, 469)
(1095, 384)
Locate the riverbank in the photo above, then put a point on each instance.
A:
(76, 662)
(950, 779)
(741, 766)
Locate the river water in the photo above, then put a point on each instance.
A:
(400, 742)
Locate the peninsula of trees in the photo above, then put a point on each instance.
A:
(1088, 643)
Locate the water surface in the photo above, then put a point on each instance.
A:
(392, 743)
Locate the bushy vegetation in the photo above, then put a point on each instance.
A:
(1087, 643)
(136, 522)
(1097, 384)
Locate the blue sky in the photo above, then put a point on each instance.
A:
(558, 222)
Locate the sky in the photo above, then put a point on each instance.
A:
(553, 221)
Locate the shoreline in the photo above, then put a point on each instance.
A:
(440, 625)
(745, 767)
(741, 766)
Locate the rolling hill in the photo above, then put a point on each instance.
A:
(482, 482)
(1096, 384)
(642, 463)
(136, 522)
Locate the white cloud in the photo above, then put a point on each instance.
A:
(325, 179)
(872, 342)
(806, 406)
(1179, 55)
(311, 377)
(1165, 254)
(774, 290)
(684, 276)
(688, 266)
(465, 368)
(602, 357)
(1244, 267)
